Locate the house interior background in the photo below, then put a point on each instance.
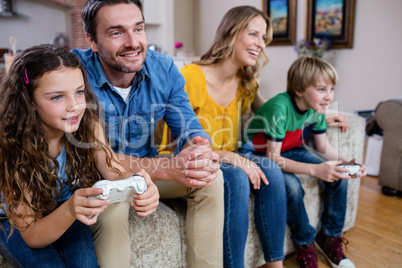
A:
(369, 72)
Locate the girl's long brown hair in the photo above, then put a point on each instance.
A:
(25, 163)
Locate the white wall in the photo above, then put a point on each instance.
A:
(160, 33)
(168, 21)
(369, 72)
(39, 28)
(184, 25)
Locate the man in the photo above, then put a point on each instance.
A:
(136, 89)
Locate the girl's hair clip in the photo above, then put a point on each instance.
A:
(26, 80)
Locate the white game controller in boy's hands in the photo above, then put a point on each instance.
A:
(354, 170)
(120, 190)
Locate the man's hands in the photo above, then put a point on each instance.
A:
(196, 165)
(337, 120)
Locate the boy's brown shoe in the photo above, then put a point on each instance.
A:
(306, 256)
(331, 248)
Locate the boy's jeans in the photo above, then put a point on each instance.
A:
(334, 202)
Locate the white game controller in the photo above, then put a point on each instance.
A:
(354, 170)
(120, 190)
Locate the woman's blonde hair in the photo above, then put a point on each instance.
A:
(306, 70)
(231, 25)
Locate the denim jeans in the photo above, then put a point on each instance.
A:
(334, 202)
(270, 212)
(74, 248)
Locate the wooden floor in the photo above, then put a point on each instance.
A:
(376, 239)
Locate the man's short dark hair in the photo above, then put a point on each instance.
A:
(91, 9)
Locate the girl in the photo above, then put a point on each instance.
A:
(52, 150)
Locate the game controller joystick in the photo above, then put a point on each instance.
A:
(354, 170)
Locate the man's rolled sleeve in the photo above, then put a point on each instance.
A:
(179, 115)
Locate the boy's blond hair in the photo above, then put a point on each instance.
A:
(306, 70)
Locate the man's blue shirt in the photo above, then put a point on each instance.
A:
(157, 92)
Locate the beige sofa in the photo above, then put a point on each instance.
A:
(159, 240)
(388, 115)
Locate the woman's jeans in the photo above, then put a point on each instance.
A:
(334, 202)
(75, 248)
(269, 210)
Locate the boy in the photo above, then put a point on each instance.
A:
(278, 130)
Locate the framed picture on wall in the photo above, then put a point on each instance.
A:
(283, 16)
(331, 19)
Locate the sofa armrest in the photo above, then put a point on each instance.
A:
(350, 144)
(388, 116)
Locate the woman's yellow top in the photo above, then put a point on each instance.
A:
(221, 123)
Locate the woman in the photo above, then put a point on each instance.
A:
(222, 86)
